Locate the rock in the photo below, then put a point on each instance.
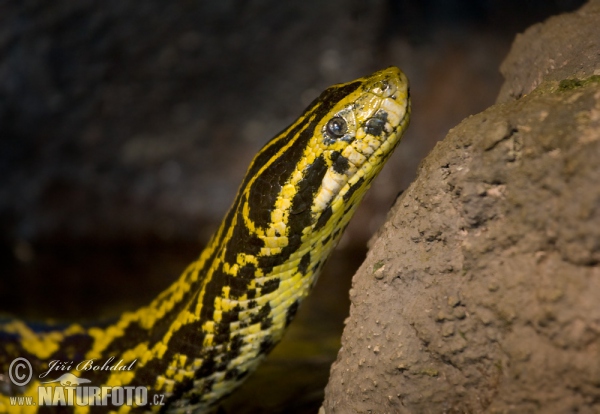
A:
(481, 292)
(564, 46)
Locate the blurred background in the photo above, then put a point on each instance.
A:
(126, 128)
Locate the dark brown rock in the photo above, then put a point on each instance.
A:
(481, 293)
(564, 46)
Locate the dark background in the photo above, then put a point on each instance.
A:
(126, 127)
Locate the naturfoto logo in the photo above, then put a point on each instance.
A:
(72, 390)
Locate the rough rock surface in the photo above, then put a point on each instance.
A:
(481, 293)
(564, 46)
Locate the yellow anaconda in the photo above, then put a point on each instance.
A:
(200, 338)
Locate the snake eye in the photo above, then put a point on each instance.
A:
(336, 127)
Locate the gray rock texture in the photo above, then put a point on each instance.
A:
(481, 293)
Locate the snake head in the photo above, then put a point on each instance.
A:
(358, 134)
(309, 178)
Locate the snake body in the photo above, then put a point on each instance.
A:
(200, 338)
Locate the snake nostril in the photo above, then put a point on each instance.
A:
(374, 126)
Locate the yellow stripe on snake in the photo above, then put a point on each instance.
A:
(200, 338)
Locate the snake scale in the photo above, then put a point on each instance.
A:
(202, 336)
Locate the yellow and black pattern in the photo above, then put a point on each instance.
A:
(200, 338)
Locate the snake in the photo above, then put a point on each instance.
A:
(201, 337)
